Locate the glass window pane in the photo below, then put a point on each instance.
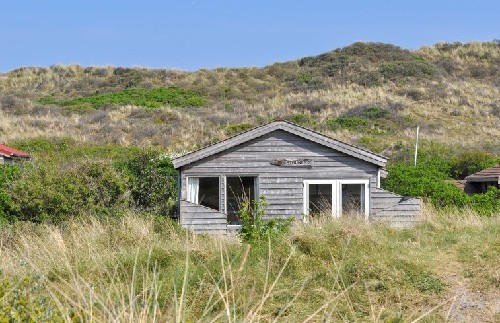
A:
(320, 199)
(353, 201)
(239, 190)
(204, 191)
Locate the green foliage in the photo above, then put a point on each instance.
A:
(375, 112)
(427, 283)
(400, 69)
(38, 145)
(346, 122)
(152, 182)
(486, 203)
(254, 227)
(7, 174)
(428, 180)
(233, 129)
(46, 193)
(471, 162)
(301, 119)
(26, 302)
(149, 98)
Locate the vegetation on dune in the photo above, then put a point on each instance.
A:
(449, 90)
(148, 269)
(68, 180)
(149, 98)
(429, 178)
(92, 185)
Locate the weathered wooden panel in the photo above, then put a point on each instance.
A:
(394, 209)
(281, 130)
(282, 185)
(201, 219)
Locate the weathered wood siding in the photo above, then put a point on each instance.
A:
(282, 185)
(394, 209)
(202, 219)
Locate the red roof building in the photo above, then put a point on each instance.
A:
(10, 155)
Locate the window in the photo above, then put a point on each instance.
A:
(337, 197)
(204, 191)
(239, 189)
(353, 200)
(320, 199)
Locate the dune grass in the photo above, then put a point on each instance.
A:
(144, 269)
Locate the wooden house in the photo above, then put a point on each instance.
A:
(300, 172)
(479, 182)
(10, 155)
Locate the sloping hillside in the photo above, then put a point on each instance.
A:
(369, 94)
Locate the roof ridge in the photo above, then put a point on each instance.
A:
(289, 127)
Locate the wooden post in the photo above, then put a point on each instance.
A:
(416, 147)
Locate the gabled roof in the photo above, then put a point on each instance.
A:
(285, 126)
(491, 174)
(11, 152)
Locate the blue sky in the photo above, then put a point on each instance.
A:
(193, 34)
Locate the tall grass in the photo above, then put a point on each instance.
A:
(143, 269)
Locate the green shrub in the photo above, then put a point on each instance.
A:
(7, 174)
(375, 112)
(471, 162)
(233, 129)
(301, 119)
(39, 145)
(254, 227)
(23, 302)
(486, 203)
(152, 181)
(346, 122)
(428, 180)
(150, 98)
(46, 193)
(401, 69)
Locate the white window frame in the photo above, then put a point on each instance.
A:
(219, 189)
(321, 181)
(336, 194)
(366, 182)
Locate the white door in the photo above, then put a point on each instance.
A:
(337, 197)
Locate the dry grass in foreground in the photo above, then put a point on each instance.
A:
(142, 269)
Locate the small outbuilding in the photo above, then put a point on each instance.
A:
(10, 155)
(300, 172)
(479, 182)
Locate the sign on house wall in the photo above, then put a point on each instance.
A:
(292, 162)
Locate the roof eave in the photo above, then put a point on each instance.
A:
(483, 179)
(285, 126)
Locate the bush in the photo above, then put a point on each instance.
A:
(471, 162)
(25, 301)
(428, 180)
(150, 98)
(233, 129)
(375, 112)
(7, 174)
(346, 122)
(300, 119)
(38, 145)
(152, 182)
(254, 228)
(46, 193)
(401, 69)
